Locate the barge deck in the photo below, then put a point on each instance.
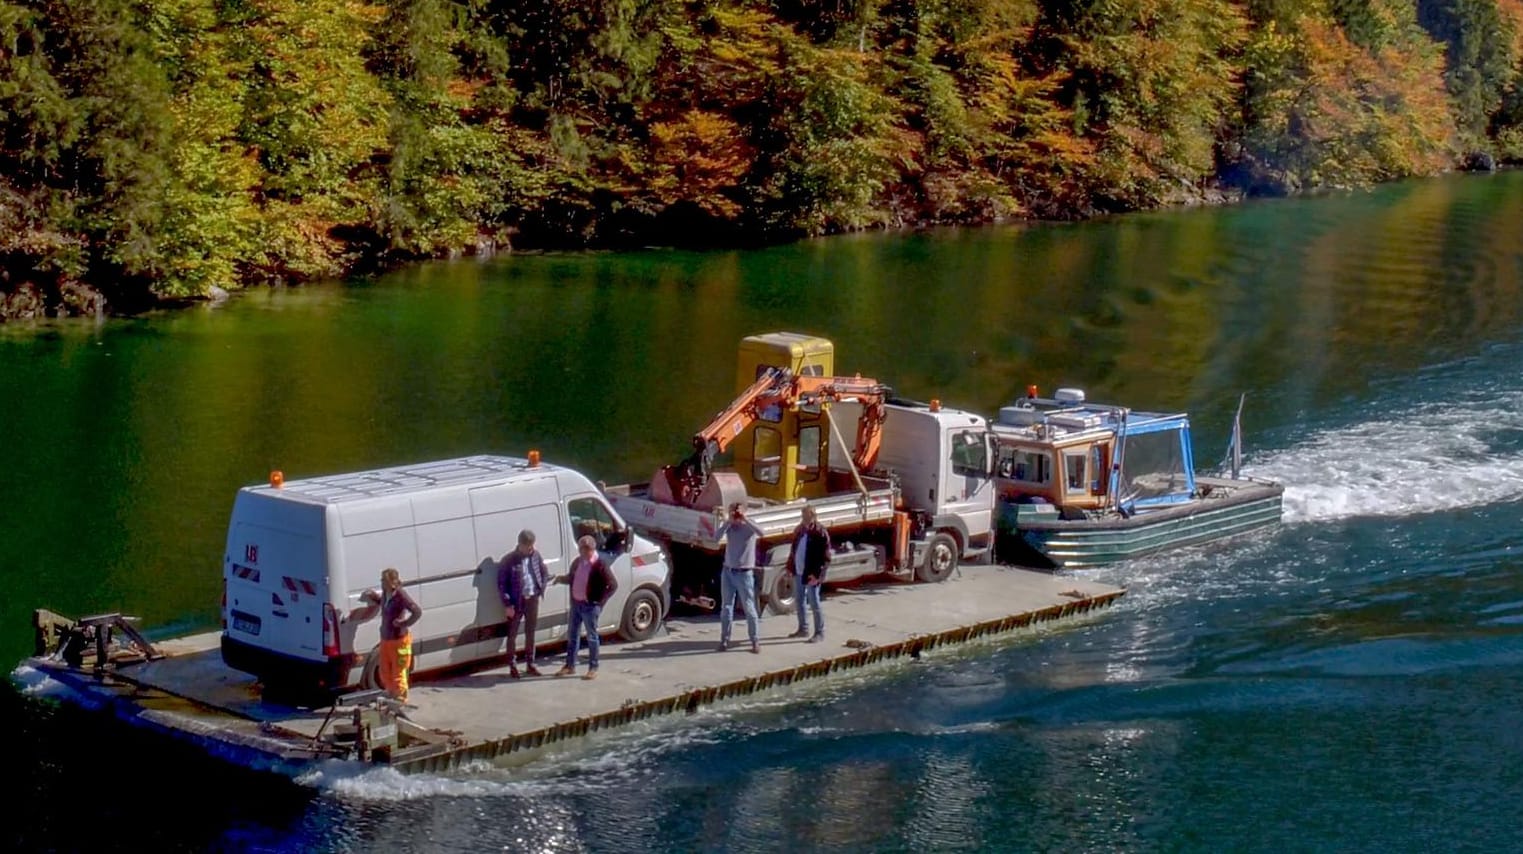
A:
(189, 694)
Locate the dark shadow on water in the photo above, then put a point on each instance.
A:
(94, 783)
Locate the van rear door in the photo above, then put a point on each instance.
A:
(275, 571)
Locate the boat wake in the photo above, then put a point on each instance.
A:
(1434, 457)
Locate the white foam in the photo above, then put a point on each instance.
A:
(1432, 457)
(588, 765)
(37, 683)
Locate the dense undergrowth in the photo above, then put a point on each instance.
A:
(157, 149)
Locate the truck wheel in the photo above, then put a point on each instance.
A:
(642, 615)
(940, 559)
(783, 597)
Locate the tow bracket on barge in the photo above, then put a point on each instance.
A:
(97, 654)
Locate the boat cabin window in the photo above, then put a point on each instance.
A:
(1097, 470)
(1075, 465)
(1025, 465)
(766, 455)
(970, 455)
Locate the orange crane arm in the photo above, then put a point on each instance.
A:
(779, 387)
(771, 388)
(871, 393)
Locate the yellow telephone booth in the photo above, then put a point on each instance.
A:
(785, 454)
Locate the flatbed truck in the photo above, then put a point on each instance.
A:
(917, 505)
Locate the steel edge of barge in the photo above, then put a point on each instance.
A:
(188, 695)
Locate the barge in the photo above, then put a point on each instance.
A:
(181, 689)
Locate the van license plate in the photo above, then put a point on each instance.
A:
(247, 625)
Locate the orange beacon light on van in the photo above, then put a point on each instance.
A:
(534, 459)
(277, 479)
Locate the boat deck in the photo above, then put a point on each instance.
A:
(486, 715)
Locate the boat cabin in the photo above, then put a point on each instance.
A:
(1082, 457)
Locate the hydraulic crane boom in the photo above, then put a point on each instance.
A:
(780, 388)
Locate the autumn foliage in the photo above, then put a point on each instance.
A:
(161, 148)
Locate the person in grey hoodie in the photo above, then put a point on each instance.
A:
(737, 578)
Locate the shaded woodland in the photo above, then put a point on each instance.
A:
(165, 149)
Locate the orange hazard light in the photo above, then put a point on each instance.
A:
(533, 459)
(277, 479)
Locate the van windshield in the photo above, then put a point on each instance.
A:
(591, 517)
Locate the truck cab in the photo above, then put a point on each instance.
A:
(942, 460)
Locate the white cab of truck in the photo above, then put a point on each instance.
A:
(943, 461)
(301, 554)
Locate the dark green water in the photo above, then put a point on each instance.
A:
(1350, 681)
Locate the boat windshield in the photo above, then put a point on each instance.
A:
(1156, 466)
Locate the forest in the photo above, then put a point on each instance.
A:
(161, 150)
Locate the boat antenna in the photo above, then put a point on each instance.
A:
(1235, 444)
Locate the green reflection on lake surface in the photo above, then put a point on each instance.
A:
(128, 439)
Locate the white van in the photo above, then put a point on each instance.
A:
(300, 554)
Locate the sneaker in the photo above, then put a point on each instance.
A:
(512, 672)
(724, 645)
(591, 674)
(568, 670)
(755, 647)
(801, 633)
(816, 638)
(533, 671)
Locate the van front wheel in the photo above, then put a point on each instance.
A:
(642, 615)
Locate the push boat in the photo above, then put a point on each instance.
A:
(1085, 484)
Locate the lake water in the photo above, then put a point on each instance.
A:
(1350, 681)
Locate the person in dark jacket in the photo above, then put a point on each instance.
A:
(808, 558)
(521, 582)
(592, 585)
(398, 613)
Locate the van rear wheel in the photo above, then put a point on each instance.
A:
(370, 673)
(642, 615)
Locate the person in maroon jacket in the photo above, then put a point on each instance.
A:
(808, 559)
(592, 584)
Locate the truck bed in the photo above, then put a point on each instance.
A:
(844, 507)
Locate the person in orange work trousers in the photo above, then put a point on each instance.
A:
(398, 613)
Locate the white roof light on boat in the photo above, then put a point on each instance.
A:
(1069, 395)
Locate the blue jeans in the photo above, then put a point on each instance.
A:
(583, 614)
(808, 596)
(733, 583)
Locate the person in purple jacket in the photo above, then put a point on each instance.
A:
(521, 582)
(398, 612)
